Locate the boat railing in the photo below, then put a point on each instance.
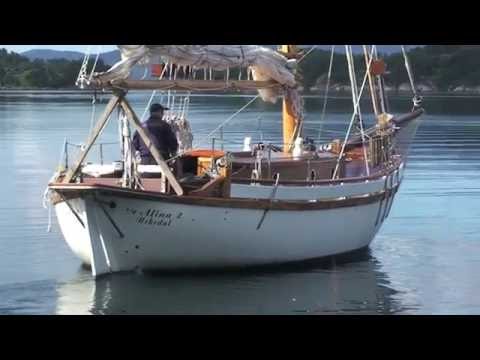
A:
(64, 157)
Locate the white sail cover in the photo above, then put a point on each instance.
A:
(266, 64)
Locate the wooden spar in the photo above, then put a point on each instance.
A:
(71, 191)
(146, 136)
(93, 137)
(191, 85)
(291, 52)
(371, 83)
(290, 126)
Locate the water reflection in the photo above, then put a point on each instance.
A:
(347, 285)
(428, 248)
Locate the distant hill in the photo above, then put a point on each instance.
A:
(17, 71)
(109, 58)
(46, 54)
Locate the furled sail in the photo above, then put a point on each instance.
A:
(266, 64)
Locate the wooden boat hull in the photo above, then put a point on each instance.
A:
(124, 232)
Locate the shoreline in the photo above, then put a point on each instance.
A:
(335, 94)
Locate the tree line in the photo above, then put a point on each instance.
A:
(441, 67)
(17, 71)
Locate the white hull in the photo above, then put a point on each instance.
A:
(170, 236)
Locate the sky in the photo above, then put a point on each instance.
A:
(81, 48)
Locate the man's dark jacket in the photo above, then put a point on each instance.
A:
(162, 136)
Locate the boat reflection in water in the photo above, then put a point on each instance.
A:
(339, 286)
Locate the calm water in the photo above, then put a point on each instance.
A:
(425, 260)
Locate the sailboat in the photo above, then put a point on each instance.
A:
(219, 209)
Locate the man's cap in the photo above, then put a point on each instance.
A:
(157, 107)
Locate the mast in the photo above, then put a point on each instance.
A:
(356, 100)
(290, 122)
(371, 83)
(353, 81)
(381, 84)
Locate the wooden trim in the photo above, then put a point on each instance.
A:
(190, 85)
(400, 120)
(78, 190)
(58, 197)
(208, 187)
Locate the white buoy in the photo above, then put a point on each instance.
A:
(298, 148)
(247, 144)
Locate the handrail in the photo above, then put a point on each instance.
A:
(67, 144)
(378, 175)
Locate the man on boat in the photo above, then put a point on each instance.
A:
(163, 137)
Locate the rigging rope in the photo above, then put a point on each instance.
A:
(381, 87)
(353, 117)
(251, 101)
(82, 74)
(417, 100)
(409, 71)
(232, 116)
(327, 88)
(94, 96)
(356, 99)
(307, 53)
(100, 47)
(92, 117)
(371, 83)
(154, 92)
